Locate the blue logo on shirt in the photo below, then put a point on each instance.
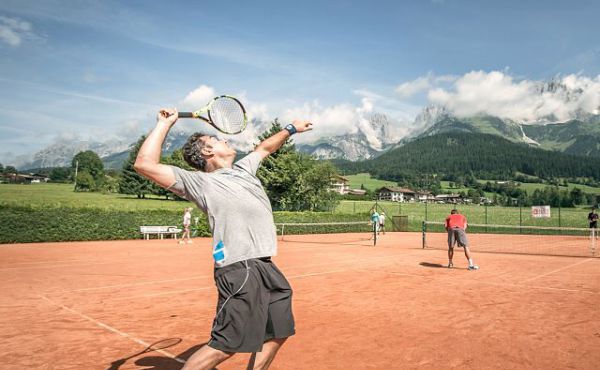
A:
(219, 252)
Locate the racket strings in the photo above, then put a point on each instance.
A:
(228, 115)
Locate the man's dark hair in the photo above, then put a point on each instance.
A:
(454, 211)
(192, 151)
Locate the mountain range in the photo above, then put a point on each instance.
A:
(377, 135)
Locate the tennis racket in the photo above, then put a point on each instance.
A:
(225, 113)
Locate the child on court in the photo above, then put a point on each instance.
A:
(254, 306)
(187, 221)
(456, 225)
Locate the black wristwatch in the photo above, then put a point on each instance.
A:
(291, 129)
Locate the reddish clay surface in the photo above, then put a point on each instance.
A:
(87, 305)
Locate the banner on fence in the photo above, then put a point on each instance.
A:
(540, 212)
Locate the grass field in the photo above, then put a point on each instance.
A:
(530, 187)
(54, 195)
(39, 195)
(418, 212)
(367, 181)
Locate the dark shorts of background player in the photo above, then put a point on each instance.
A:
(458, 236)
(261, 310)
(594, 225)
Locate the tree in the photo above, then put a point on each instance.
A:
(10, 169)
(85, 181)
(294, 181)
(1, 168)
(131, 182)
(89, 162)
(60, 174)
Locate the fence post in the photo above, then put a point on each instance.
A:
(520, 217)
(423, 230)
(425, 210)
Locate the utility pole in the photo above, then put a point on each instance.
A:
(76, 168)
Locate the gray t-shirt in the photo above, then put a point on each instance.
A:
(238, 209)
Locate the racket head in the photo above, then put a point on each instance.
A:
(163, 344)
(227, 114)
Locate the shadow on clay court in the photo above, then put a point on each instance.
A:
(433, 265)
(158, 362)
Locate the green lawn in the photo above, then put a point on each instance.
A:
(531, 187)
(418, 212)
(367, 181)
(56, 195)
(53, 195)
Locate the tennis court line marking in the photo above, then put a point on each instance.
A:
(55, 266)
(128, 285)
(557, 270)
(157, 294)
(113, 330)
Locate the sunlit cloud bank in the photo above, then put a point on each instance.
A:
(500, 94)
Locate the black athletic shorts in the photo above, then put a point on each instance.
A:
(254, 305)
(594, 225)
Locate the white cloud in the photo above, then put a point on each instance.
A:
(421, 84)
(499, 94)
(14, 30)
(198, 97)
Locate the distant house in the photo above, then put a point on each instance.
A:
(396, 194)
(18, 178)
(339, 184)
(357, 192)
(424, 197)
(449, 198)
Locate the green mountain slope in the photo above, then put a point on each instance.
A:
(486, 156)
(573, 137)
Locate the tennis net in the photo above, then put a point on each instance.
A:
(551, 241)
(353, 230)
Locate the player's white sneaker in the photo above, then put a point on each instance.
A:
(473, 267)
(450, 265)
(189, 242)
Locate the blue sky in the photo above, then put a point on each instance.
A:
(98, 70)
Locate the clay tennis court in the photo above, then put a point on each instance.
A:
(93, 305)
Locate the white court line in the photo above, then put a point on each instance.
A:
(111, 329)
(41, 262)
(56, 266)
(538, 287)
(202, 276)
(557, 270)
(128, 285)
(157, 294)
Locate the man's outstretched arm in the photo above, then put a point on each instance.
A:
(147, 162)
(274, 142)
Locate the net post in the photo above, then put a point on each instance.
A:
(375, 224)
(593, 242)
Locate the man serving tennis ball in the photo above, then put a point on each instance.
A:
(254, 308)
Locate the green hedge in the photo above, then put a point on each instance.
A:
(25, 224)
(49, 224)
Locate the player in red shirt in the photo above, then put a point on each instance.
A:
(456, 224)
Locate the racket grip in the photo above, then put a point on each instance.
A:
(186, 115)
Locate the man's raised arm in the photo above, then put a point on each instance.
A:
(274, 142)
(147, 162)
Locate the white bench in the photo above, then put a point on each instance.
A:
(159, 230)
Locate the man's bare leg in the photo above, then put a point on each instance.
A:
(450, 255)
(206, 358)
(262, 360)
